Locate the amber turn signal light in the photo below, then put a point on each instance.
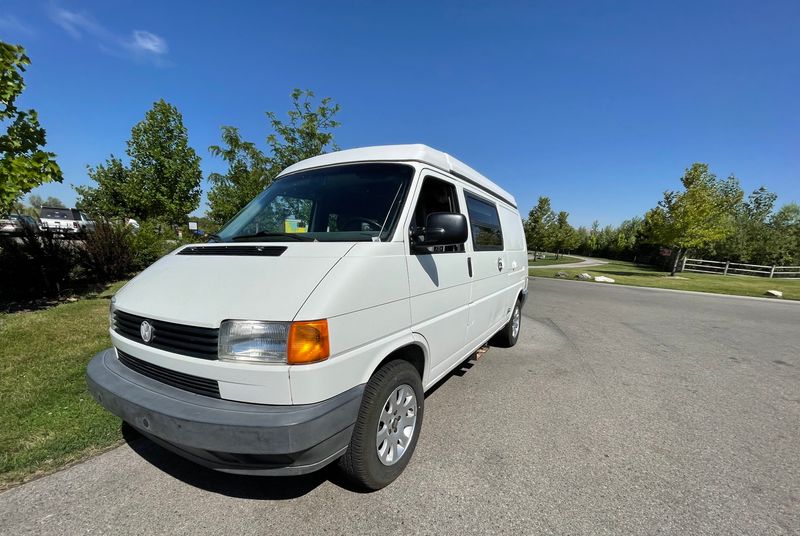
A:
(308, 342)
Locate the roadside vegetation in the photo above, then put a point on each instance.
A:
(47, 418)
(552, 258)
(628, 273)
(708, 218)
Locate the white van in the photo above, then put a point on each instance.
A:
(310, 328)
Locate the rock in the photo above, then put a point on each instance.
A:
(584, 276)
(562, 275)
(72, 299)
(603, 279)
(775, 293)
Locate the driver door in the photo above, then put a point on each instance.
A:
(439, 278)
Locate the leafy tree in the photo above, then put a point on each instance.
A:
(249, 172)
(54, 202)
(785, 236)
(565, 238)
(307, 132)
(700, 214)
(114, 196)
(23, 164)
(35, 201)
(162, 180)
(539, 226)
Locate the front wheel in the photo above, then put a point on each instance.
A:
(507, 337)
(387, 427)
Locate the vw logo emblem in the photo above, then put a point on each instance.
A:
(146, 331)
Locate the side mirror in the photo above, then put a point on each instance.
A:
(442, 229)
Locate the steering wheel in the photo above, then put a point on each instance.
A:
(373, 225)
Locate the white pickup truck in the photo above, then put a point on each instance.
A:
(65, 220)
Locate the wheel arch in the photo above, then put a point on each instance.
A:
(414, 352)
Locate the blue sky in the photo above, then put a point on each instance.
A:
(599, 105)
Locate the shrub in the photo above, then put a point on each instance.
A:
(107, 253)
(35, 266)
(152, 241)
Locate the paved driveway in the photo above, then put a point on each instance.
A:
(621, 411)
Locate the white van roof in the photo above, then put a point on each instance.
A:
(400, 153)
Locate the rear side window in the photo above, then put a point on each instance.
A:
(487, 235)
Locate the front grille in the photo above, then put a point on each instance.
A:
(239, 251)
(177, 338)
(187, 382)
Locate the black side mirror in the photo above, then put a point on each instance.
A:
(441, 229)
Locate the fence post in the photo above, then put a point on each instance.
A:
(683, 266)
(727, 263)
(772, 272)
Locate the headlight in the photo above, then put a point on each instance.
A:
(251, 340)
(254, 341)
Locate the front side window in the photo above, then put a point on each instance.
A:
(353, 202)
(435, 195)
(487, 234)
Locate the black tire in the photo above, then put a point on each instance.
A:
(506, 338)
(361, 463)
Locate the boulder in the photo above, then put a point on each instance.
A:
(584, 276)
(603, 279)
(775, 293)
(562, 275)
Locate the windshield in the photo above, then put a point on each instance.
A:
(341, 203)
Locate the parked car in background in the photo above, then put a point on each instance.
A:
(11, 225)
(32, 222)
(16, 224)
(66, 221)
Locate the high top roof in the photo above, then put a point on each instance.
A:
(404, 153)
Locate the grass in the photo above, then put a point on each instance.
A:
(626, 273)
(565, 259)
(47, 417)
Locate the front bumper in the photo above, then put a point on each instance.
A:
(234, 437)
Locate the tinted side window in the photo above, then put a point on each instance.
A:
(487, 235)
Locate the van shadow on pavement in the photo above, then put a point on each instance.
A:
(275, 488)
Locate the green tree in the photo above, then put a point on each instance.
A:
(162, 180)
(54, 202)
(539, 226)
(784, 239)
(565, 238)
(114, 195)
(249, 172)
(23, 163)
(307, 132)
(704, 212)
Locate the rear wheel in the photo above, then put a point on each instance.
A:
(387, 428)
(507, 337)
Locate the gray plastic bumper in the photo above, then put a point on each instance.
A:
(225, 435)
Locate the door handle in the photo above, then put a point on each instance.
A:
(469, 265)
(500, 264)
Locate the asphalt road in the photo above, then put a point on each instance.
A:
(620, 411)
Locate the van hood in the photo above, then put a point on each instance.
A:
(189, 286)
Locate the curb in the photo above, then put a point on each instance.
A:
(677, 291)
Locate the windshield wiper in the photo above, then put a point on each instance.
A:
(214, 238)
(266, 234)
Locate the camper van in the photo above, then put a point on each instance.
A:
(308, 330)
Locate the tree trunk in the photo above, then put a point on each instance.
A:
(677, 259)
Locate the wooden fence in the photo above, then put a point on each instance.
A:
(739, 268)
